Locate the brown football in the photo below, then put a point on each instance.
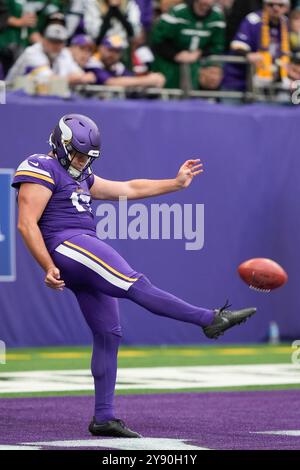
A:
(262, 274)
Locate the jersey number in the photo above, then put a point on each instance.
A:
(81, 202)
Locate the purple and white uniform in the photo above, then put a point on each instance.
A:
(68, 212)
(95, 272)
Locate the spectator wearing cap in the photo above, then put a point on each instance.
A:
(48, 58)
(111, 71)
(43, 9)
(82, 48)
(45, 20)
(263, 38)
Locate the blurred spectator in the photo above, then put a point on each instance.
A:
(82, 48)
(110, 70)
(104, 18)
(264, 40)
(15, 24)
(23, 25)
(48, 58)
(210, 77)
(44, 20)
(239, 10)
(185, 34)
(43, 9)
(295, 30)
(294, 66)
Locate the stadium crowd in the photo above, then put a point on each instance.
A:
(151, 43)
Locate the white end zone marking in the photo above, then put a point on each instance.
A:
(154, 378)
(145, 443)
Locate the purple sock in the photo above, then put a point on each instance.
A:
(102, 315)
(104, 370)
(165, 304)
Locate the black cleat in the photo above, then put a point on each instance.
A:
(115, 428)
(225, 319)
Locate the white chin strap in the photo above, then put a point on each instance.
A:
(73, 172)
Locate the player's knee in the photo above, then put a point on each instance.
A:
(107, 331)
(142, 280)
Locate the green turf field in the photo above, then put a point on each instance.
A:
(78, 358)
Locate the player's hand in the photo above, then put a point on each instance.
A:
(52, 278)
(187, 172)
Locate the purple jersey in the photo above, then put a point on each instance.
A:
(104, 73)
(68, 212)
(248, 39)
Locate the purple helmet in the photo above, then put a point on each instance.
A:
(74, 134)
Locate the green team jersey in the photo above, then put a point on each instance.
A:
(18, 8)
(186, 31)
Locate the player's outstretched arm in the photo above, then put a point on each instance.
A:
(32, 201)
(142, 188)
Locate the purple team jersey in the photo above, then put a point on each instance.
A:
(68, 212)
(248, 39)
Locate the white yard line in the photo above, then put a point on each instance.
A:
(154, 378)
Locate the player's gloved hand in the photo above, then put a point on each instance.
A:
(52, 278)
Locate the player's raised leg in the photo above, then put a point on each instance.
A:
(114, 277)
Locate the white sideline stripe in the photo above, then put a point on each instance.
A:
(12, 447)
(24, 166)
(97, 268)
(293, 433)
(153, 378)
(146, 443)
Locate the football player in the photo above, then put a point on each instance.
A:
(58, 227)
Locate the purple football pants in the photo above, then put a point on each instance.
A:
(98, 275)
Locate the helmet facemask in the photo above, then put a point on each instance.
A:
(82, 174)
